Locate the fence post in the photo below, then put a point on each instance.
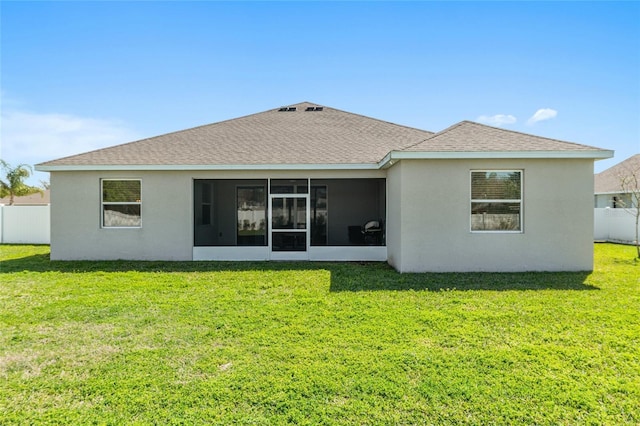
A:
(1, 223)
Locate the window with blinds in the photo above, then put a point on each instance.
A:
(121, 202)
(496, 201)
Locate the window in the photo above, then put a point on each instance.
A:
(496, 200)
(121, 203)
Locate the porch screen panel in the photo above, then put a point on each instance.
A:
(319, 215)
(341, 209)
(230, 212)
(252, 219)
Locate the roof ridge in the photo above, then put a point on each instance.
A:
(433, 135)
(163, 135)
(371, 118)
(377, 119)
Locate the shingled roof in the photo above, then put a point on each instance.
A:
(609, 181)
(307, 134)
(468, 136)
(303, 133)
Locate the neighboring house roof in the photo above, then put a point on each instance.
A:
(309, 135)
(33, 199)
(609, 181)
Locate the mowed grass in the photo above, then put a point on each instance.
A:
(315, 343)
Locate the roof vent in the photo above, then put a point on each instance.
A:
(287, 109)
(314, 108)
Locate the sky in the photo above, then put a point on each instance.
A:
(77, 76)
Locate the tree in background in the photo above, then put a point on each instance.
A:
(630, 184)
(14, 186)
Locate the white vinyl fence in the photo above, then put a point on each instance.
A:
(25, 224)
(31, 225)
(615, 225)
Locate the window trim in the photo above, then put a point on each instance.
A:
(126, 203)
(519, 201)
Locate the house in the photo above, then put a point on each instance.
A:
(37, 199)
(310, 182)
(608, 184)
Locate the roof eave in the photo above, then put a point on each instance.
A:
(394, 156)
(203, 167)
(386, 162)
(620, 191)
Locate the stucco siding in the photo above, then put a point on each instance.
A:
(435, 218)
(166, 232)
(394, 215)
(167, 212)
(428, 215)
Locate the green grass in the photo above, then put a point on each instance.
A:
(315, 343)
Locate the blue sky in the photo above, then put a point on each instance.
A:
(77, 76)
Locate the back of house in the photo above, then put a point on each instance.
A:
(310, 182)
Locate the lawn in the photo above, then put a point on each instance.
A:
(315, 343)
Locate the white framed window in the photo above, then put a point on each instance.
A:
(121, 203)
(496, 201)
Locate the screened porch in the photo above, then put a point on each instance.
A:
(314, 219)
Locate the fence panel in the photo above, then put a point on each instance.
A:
(616, 225)
(25, 225)
(31, 225)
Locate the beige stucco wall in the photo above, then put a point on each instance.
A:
(429, 207)
(166, 231)
(427, 216)
(167, 212)
(394, 216)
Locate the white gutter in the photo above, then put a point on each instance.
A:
(394, 156)
(200, 167)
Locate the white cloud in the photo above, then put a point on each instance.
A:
(31, 138)
(496, 120)
(541, 115)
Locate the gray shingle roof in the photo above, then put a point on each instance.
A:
(609, 180)
(326, 136)
(329, 136)
(468, 136)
